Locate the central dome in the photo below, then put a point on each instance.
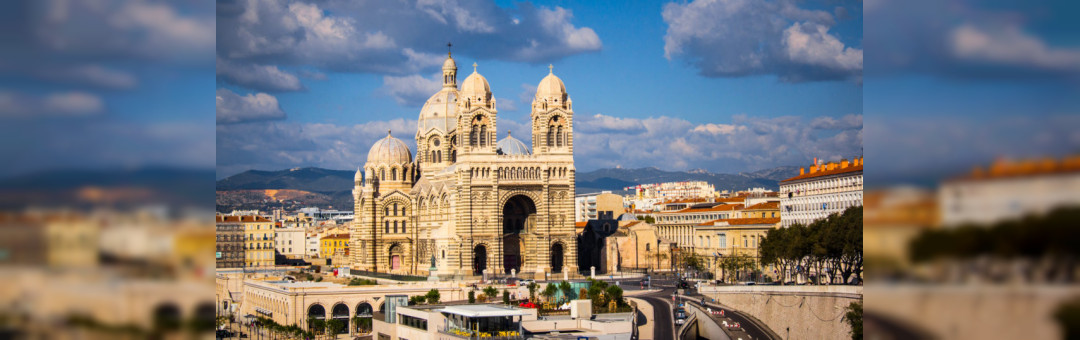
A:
(511, 146)
(439, 112)
(389, 150)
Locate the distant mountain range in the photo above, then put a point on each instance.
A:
(334, 187)
(175, 187)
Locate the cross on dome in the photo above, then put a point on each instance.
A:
(448, 45)
(551, 68)
(474, 67)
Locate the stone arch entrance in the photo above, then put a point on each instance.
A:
(557, 255)
(519, 215)
(340, 312)
(479, 259)
(317, 313)
(167, 317)
(364, 314)
(396, 257)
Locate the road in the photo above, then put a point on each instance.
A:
(663, 325)
(752, 327)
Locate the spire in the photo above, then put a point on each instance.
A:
(448, 45)
(387, 133)
(508, 133)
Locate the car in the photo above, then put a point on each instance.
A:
(680, 316)
(525, 282)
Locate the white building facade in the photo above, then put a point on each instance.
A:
(822, 190)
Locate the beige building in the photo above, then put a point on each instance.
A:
(467, 202)
(596, 206)
(678, 225)
(638, 245)
(290, 242)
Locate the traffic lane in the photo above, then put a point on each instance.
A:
(752, 328)
(664, 324)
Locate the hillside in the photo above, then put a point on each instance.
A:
(616, 179)
(174, 187)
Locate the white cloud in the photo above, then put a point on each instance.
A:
(233, 108)
(1009, 45)
(811, 44)
(88, 74)
(353, 37)
(63, 104)
(735, 38)
(126, 28)
(718, 129)
(258, 77)
(411, 90)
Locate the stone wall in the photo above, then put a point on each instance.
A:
(793, 312)
(971, 311)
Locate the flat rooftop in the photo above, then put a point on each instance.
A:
(474, 311)
(304, 284)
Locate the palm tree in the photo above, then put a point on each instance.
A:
(549, 291)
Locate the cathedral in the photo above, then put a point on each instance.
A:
(468, 202)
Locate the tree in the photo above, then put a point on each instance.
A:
(472, 296)
(567, 290)
(491, 292)
(417, 300)
(615, 293)
(549, 291)
(533, 286)
(854, 318)
(506, 297)
(335, 326)
(433, 296)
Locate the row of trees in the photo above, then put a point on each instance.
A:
(1048, 240)
(832, 247)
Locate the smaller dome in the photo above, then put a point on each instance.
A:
(389, 150)
(449, 64)
(475, 85)
(359, 175)
(511, 146)
(551, 87)
(627, 217)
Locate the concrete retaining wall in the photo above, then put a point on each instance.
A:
(793, 312)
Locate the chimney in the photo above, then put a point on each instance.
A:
(802, 171)
(815, 161)
(813, 169)
(843, 163)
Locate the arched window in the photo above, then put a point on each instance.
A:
(403, 229)
(395, 227)
(382, 174)
(438, 156)
(483, 135)
(551, 136)
(558, 137)
(386, 211)
(387, 226)
(395, 209)
(472, 135)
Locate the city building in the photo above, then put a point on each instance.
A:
(471, 203)
(587, 206)
(891, 219)
(258, 238)
(290, 242)
(638, 246)
(669, 190)
(732, 237)
(824, 189)
(333, 246)
(678, 225)
(1009, 190)
(480, 321)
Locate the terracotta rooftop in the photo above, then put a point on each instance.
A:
(334, 236)
(721, 207)
(226, 218)
(1004, 168)
(773, 205)
(835, 171)
(744, 221)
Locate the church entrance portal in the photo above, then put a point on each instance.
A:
(519, 214)
(479, 259)
(557, 258)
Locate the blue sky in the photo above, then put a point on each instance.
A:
(674, 85)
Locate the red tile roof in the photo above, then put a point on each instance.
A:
(838, 170)
(773, 205)
(744, 221)
(721, 207)
(226, 218)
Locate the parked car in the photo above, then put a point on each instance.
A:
(680, 316)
